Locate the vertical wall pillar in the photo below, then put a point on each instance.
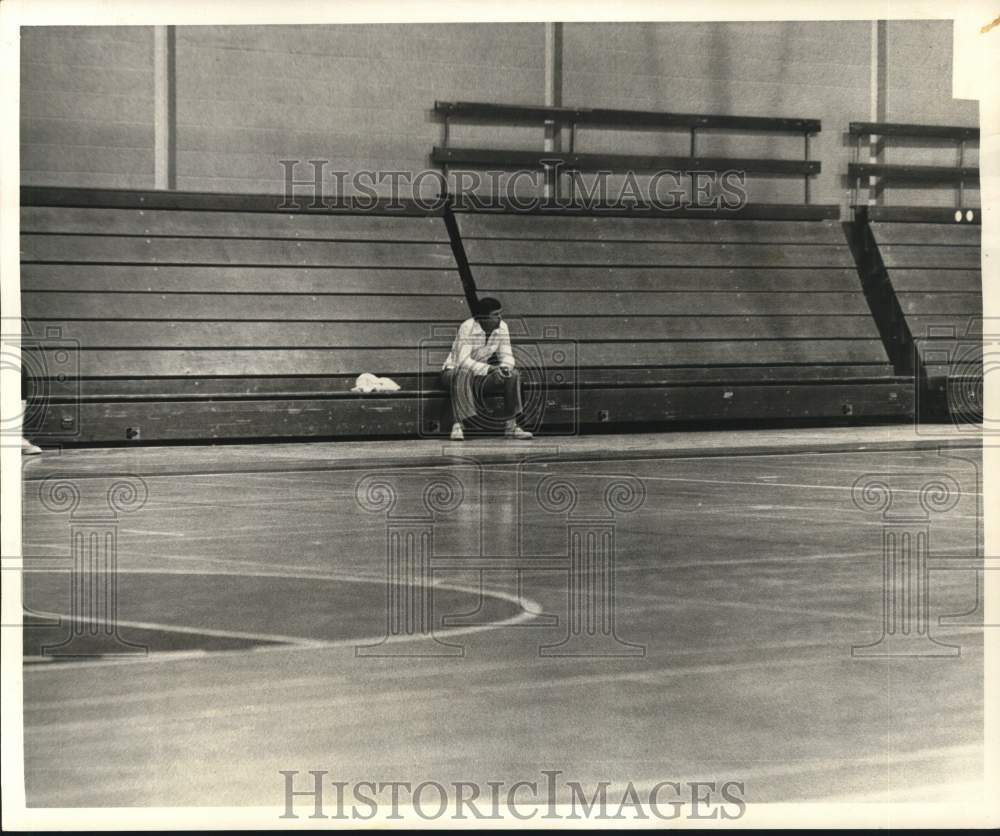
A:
(877, 98)
(164, 104)
(553, 98)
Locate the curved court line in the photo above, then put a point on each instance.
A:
(178, 628)
(284, 643)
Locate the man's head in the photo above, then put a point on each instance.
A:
(489, 312)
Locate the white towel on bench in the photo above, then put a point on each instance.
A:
(367, 382)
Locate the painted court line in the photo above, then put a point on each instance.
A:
(529, 610)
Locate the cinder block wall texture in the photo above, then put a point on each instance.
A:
(360, 96)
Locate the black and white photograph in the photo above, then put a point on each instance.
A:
(465, 416)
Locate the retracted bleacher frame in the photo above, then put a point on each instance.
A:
(922, 274)
(202, 316)
(784, 330)
(686, 317)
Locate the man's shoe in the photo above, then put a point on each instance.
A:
(29, 449)
(457, 434)
(517, 433)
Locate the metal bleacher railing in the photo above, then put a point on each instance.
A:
(573, 118)
(959, 175)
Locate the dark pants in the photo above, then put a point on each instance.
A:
(468, 392)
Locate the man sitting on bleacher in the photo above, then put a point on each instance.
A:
(481, 363)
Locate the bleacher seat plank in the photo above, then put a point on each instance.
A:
(490, 251)
(153, 362)
(586, 329)
(732, 374)
(243, 362)
(662, 229)
(291, 308)
(970, 304)
(957, 234)
(963, 281)
(716, 403)
(200, 279)
(162, 334)
(199, 387)
(117, 249)
(251, 419)
(681, 303)
(562, 278)
(240, 225)
(372, 417)
(174, 334)
(928, 257)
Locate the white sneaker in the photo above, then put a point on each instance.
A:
(517, 433)
(457, 433)
(29, 449)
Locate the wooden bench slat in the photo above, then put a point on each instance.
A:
(681, 303)
(970, 304)
(116, 249)
(748, 279)
(895, 256)
(215, 201)
(291, 225)
(648, 229)
(165, 334)
(908, 279)
(110, 306)
(353, 361)
(375, 416)
(483, 251)
(965, 235)
(161, 334)
(193, 386)
(202, 279)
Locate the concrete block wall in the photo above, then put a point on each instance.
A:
(360, 96)
(918, 89)
(357, 96)
(87, 106)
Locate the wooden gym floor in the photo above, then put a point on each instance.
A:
(742, 582)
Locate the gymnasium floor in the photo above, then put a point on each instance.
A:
(743, 578)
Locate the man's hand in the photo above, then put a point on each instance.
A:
(504, 372)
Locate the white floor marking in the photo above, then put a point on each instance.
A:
(529, 609)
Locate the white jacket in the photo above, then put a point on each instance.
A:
(472, 348)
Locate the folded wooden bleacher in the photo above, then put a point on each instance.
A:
(921, 266)
(676, 314)
(171, 316)
(675, 319)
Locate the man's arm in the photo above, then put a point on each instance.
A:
(463, 352)
(505, 354)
